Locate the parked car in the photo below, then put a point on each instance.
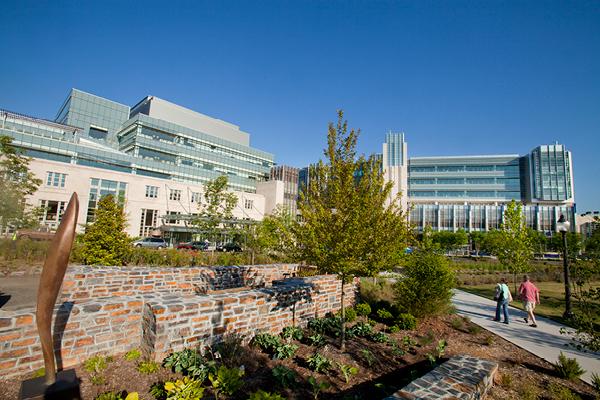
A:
(227, 247)
(192, 246)
(151, 242)
(32, 234)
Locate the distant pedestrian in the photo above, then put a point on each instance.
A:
(502, 297)
(530, 295)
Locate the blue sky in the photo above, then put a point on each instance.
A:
(458, 77)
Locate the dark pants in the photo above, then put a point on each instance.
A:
(504, 305)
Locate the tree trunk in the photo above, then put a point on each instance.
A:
(343, 338)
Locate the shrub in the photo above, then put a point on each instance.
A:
(568, 368)
(395, 329)
(596, 381)
(97, 380)
(292, 332)
(105, 241)
(559, 392)
(350, 314)
(285, 376)
(427, 286)
(529, 392)
(318, 362)
(184, 389)
(374, 293)
(226, 380)
(456, 323)
(474, 329)
(384, 316)
(406, 322)
(363, 309)
(317, 340)
(230, 349)
(148, 367)
(330, 325)
(262, 395)
(133, 355)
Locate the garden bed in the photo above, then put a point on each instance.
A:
(383, 368)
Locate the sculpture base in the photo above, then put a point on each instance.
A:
(66, 387)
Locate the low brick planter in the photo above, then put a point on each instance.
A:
(461, 377)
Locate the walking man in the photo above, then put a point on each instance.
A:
(530, 295)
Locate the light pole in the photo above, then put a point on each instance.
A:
(563, 227)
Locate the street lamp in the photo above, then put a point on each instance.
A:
(563, 227)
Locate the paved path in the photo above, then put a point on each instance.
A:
(545, 341)
(18, 291)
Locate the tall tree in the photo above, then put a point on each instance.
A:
(272, 235)
(348, 228)
(16, 183)
(105, 241)
(216, 209)
(514, 248)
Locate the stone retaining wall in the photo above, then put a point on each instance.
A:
(174, 322)
(86, 282)
(461, 377)
(162, 320)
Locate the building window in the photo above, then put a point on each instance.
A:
(248, 204)
(151, 192)
(173, 220)
(148, 221)
(55, 179)
(196, 197)
(100, 188)
(52, 212)
(175, 194)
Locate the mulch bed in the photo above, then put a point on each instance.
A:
(521, 374)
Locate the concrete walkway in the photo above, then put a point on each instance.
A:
(545, 341)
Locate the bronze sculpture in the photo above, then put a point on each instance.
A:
(51, 280)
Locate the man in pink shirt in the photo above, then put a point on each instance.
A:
(530, 296)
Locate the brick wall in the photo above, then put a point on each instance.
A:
(108, 326)
(85, 282)
(154, 309)
(174, 322)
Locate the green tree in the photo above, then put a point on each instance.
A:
(449, 241)
(16, 183)
(574, 244)
(477, 239)
(216, 210)
(514, 247)
(105, 241)
(348, 214)
(272, 235)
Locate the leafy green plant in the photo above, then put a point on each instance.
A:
(361, 329)
(190, 363)
(396, 350)
(110, 396)
(408, 342)
(318, 362)
(95, 364)
(347, 371)
(568, 368)
(317, 340)
(148, 367)
(368, 356)
(529, 392)
(406, 322)
(157, 390)
(39, 372)
(394, 329)
(266, 342)
(184, 389)
(285, 376)
(229, 348)
(226, 380)
(317, 387)
(292, 332)
(330, 325)
(284, 351)
(379, 337)
(363, 309)
(262, 395)
(441, 348)
(350, 314)
(133, 355)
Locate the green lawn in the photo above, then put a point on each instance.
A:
(552, 298)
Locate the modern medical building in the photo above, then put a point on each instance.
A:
(471, 192)
(156, 156)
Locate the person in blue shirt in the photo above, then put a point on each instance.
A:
(502, 297)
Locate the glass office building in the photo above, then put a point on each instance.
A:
(154, 138)
(471, 192)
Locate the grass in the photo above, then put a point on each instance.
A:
(552, 298)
